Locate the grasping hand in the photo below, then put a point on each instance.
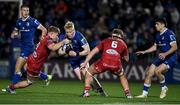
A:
(140, 52)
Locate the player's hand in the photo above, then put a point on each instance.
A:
(14, 34)
(140, 52)
(72, 53)
(162, 56)
(83, 66)
(66, 41)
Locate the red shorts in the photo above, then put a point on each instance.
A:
(100, 67)
(33, 69)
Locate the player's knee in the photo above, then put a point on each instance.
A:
(157, 72)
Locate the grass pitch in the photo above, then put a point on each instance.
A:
(68, 92)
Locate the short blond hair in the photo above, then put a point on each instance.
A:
(69, 25)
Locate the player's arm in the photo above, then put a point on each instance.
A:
(149, 50)
(43, 29)
(14, 33)
(56, 46)
(90, 55)
(170, 51)
(85, 51)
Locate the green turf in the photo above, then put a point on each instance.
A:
(68, 92)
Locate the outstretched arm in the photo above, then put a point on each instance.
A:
(89, 56)
(151, 49)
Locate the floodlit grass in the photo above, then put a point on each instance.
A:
(68, 92)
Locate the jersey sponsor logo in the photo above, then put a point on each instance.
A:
(24, 30)
(112, 52)
(161, 44)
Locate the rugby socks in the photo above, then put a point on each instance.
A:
(163, 84)
(146, 89)
(86, 89)
(127, 92)
(43, 76)
(16, 77)
(12, 87)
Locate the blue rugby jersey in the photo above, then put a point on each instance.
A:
(27, 30)
(163, 41)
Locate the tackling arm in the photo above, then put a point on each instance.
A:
(43, 29)
(56, 46)
(91, 54)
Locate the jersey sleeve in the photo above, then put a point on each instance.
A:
(82, 40)
(35, 23)
(171, 38)
(125, 51)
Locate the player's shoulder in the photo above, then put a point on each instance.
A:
(79, 34)
(31, 18)
(170, 32)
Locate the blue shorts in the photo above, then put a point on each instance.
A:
(76, 63)
(170, 61)
(25, 52)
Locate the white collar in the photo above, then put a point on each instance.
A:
(163, 31)
(25, 18)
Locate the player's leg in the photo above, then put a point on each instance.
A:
(19, 64)
(78, 73)
(159, 73)
(125, 85)
(95, 84)
(147, 83)
(45, 77)
(88, 79)
(22, 84)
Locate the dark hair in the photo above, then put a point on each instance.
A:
(24, 6)
(54, 29)
(161, 20)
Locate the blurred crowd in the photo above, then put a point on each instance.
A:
(96, 19)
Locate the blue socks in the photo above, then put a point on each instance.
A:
(16, 78)
(146, 89)
(43, 76)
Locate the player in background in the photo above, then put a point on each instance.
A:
(113, 50)
(78, 53)
(26, 27)
(36, 60)
(166, 42)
